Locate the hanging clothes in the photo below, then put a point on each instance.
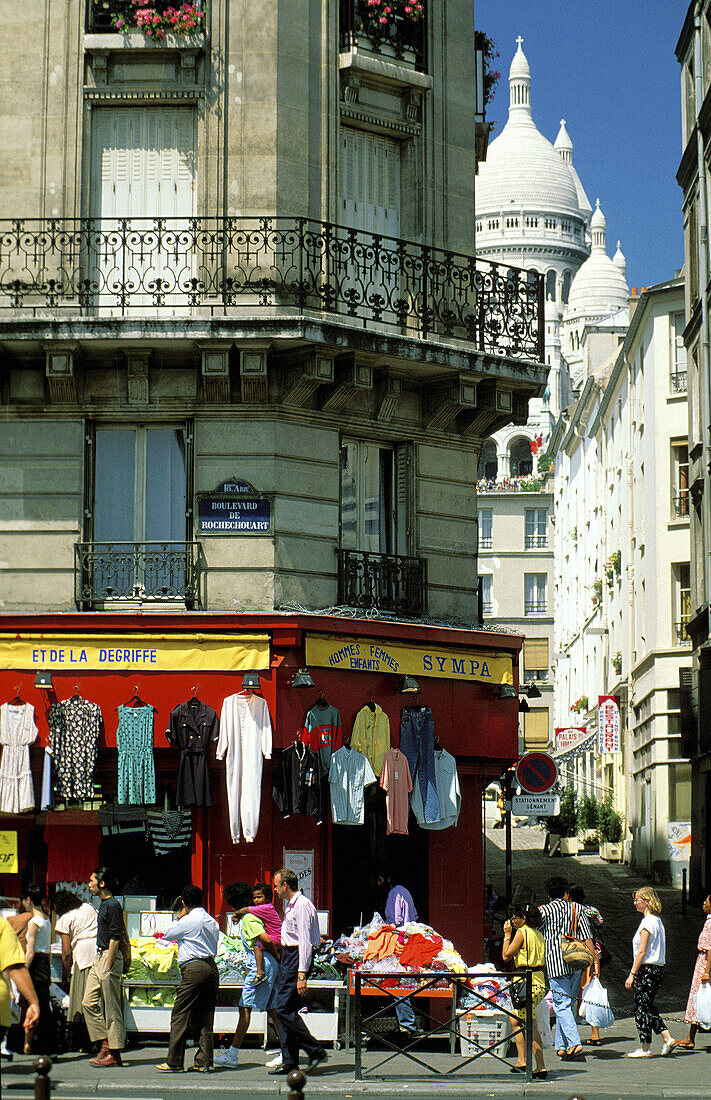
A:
(169, 830)
(245, 741)
(17, 732)
(397, 784)
(136, 769)
(297, 782)
(371, 735)
(323, 732)
(448, 793)
(417, 742)
(349, 774)
(192, 727)
(47, 795)
(74, 727)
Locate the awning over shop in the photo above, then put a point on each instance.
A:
(369, 655)
(135, 652)
(586, 745)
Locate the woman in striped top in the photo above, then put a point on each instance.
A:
(558, 917)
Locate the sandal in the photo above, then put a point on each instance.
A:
(574, 1052)
(561, 1053)
(539, 1074)
(592, 1042)
(684, 1044)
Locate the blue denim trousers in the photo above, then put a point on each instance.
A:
(565, 994)
(417, 744)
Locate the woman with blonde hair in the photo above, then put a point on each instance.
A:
(644, 979)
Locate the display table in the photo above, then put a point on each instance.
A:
(385, 985)
(327, 1020)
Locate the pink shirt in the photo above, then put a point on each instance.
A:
(272, 920)
(396, 782)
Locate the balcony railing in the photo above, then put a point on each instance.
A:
(536, 607)
(486, 542)
(388, 582)
(536, 542)
(677, 381)
(680, 632)
(386, 28)
(487, 607)
(680, 505)
(527, 483)
(155, 572)
(216, 266)
(99, 12)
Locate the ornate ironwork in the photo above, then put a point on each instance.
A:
(99, 12)
(386, 581)
(387, 26)
(677, 381)
(96, 266)
(157, 572)
(536, 542)
(680, 505)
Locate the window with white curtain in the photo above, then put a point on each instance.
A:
(535, 588)
(536, 535)
(485, 516)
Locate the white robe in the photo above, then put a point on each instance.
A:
(245, 740)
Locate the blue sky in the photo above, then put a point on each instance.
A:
(608, 68)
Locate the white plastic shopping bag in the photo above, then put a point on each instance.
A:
(543, 1019)
(702, 1004)
(595, 1005)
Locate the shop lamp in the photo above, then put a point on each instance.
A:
(302, 679)
(251, 680)
(507, 691)
(523, 707)
(533, 692)
(43, 680)
(407, 684)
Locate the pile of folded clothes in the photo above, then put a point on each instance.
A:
(410, 948)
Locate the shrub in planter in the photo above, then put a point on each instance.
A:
(609, 823)
(565, 824)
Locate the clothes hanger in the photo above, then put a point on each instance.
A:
(18, 701)
(136, 701)
(193, 695)
(76, 696)
(321, 701)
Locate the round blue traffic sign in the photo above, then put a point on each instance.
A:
(537, 772)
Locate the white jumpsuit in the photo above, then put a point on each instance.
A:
(245, 739)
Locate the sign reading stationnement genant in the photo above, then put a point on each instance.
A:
(234, 508)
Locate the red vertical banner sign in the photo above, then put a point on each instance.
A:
(608, 723)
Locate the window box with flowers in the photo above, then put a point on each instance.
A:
(158, 22)
(391, 29)
(580, 705)
(596, 591)
(617, 663)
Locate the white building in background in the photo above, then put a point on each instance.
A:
(622, 562)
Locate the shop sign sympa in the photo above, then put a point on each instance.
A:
(234, 508)
(608, 723)
(371, 655)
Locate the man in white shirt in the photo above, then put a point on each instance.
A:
(300, 934)
(196, 934)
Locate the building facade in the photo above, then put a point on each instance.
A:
(693, 51)
(249, 360)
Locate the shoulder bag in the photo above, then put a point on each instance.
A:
(575, 954)
(518, 989)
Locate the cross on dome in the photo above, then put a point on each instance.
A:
(519, 42)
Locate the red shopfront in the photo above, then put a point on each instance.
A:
(444, 868)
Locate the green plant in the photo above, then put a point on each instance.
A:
(617, 663)
(609, 824)
(580, 704)
(616, 559)
(545, 463)
(596, 589)
(491, 78)
(565, 823)
(588, 812)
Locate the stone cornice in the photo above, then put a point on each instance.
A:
(141, 95)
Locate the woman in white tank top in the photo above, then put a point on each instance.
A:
(37, 958)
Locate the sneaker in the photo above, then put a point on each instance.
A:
(227, 1059)
(639, 1053)
(272, 1063)
(668, 1048)
(316, 1060)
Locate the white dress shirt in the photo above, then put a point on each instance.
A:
(196, 935)
(300, 928)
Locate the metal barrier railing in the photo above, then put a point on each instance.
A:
(436, 984)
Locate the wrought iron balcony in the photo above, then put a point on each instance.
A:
(677, 381)
(388, 582)
(122, 572)
(99, 13)
(536, 542)
(680, 505)
(217, 266)
(536, 607)
(486, 542)
(394, 28)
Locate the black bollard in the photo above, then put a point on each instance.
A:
(42, 1082)
(296, 1081)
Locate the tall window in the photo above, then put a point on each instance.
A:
(681, 611)
(485, 516)
(535, 660)
(536, 536)
(487, 597)
(374, 497)
(535, 593)
(678, 354)
(680, 479)
(535, 729)
(488, 463)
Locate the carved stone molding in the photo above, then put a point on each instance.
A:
(443, 402)
(304, 378)
(351, 378)
(215, 370)
(137, 375)
(388, 394)
(61, 378)
(495, 408)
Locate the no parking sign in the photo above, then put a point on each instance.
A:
(537, 772)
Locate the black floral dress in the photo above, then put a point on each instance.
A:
(74, 727)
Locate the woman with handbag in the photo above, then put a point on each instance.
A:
(576, 894)
(644, 979)
(701, 975)
(525, 945)
(569, 951)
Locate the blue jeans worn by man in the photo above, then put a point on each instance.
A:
(564, 991)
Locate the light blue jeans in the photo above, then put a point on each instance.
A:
(565, 991)
(405, 1014)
